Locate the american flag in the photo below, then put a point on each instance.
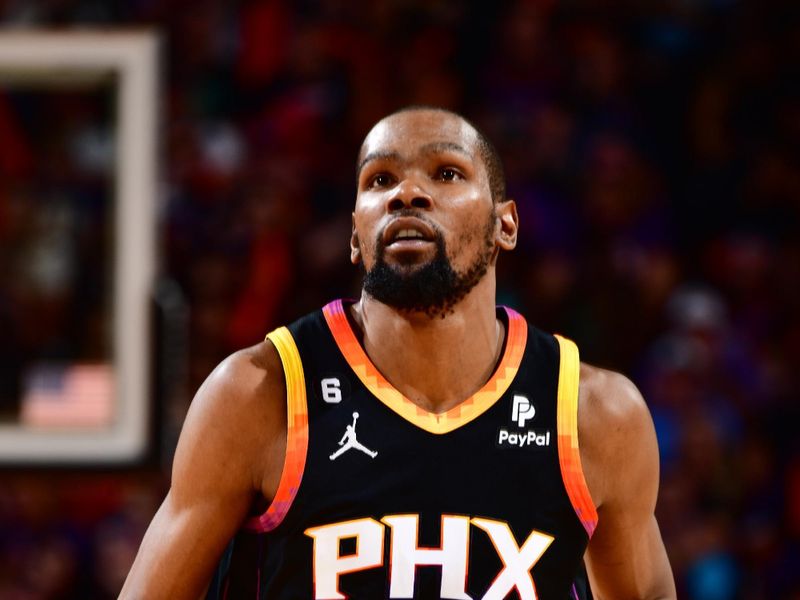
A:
(68, 396)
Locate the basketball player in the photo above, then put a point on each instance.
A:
(418, 442)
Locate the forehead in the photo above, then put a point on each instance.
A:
(410, 131)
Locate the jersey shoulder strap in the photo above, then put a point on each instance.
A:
(296, 433)
(569, 457)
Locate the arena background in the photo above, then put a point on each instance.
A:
(652, 148)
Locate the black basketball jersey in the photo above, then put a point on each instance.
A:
(381, 499)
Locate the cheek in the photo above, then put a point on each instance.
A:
(469, 212)
(468, 239)
(366, 235)
(463, 247)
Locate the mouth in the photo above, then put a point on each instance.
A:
(408, 233)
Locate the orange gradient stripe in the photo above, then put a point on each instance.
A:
(296, 434)
(437, 423)
(569, 456)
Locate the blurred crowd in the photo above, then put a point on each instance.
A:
(653, 150)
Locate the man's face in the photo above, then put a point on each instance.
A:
(424, 221)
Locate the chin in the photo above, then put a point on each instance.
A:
(408, 264)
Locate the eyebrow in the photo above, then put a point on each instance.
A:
(431, 148)
(434, 147)
(385, 155)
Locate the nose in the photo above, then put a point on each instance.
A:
(409, 194)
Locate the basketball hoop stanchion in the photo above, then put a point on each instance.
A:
(170, 369)
(127, 62)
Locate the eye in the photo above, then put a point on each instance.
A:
(379, 180)
(449, 174)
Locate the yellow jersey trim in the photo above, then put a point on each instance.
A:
(296, 433)
(569, 456)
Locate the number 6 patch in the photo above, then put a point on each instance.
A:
(332, 389)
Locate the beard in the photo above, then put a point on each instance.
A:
(435, 288)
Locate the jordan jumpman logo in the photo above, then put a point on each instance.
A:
(349, 441)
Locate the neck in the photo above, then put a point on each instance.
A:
(437, 363)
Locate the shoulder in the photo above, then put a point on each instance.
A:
(615, 430)
(608, 398)
(247, 384)
(238, 416)
(245, 379)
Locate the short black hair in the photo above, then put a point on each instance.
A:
(489, 154)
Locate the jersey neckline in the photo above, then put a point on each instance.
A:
(438, 423)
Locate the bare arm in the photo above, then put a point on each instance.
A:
(231, 449)
(626, 558)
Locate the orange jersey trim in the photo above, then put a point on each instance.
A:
(296, 434)
(569, 456)
(437, 423)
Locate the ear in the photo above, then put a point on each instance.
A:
(355, 248)
(509, 224)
